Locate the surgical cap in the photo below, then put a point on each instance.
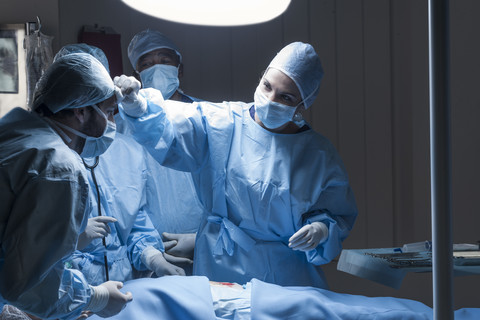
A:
(73, 81)
(300, 62)
(83, 47)
(146, 41)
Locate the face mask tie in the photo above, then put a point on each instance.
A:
(94, 146)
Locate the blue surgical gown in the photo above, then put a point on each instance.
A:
(258, 188)
(126, 193)
(180, 210)
(44, 192)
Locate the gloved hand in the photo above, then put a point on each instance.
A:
(83, 315)
(127, 94)
(178, 261)
(155, 261)
(97, 227)
(107, 300)
(185, 244)
(169, 244)
(309, 236)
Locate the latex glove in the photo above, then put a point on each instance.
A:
(107, 299)
(83, 315)
(127, 94)
(178, 261)
(97, 227)
(169, 244)
(155, 261)
(309, 236)
(185, 244)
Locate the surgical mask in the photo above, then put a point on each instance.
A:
(162, 77)
(274, 114)
(93, 146)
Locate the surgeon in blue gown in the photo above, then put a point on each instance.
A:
(277, 194)
(44, 191)
(121, 179)
(158, 63)
(133, 246)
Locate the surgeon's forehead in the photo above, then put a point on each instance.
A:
(109, 103)
(281, 81)
(159, 52)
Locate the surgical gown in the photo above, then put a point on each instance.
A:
(43, 198)
(258, 187)
(180, 211)
(126, 193)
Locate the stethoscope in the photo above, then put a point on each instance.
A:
(99, 207)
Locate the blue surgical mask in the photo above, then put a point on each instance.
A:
(93, 146)
(162, 77)
(272, 114)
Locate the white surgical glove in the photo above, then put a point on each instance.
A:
(83, 315)
(185, 244)
(309, 236)
(178, 261)
(155, 261)
(127, 94)
(107, 300)
(97, 227)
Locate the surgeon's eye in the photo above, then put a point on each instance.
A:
(267, 85)
(145, 64)
(289, 99)
(166, 61)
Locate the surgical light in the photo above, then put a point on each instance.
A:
(212, 12)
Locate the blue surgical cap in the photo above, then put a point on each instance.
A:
(83, 47)
(73, 81)
(146, 41)
(300, 62)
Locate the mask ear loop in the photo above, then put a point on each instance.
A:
(297, 117)
(100, 112)
(103, 115)
(76, 132)
(62, 133)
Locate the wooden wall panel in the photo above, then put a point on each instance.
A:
(404, 76)
(295, 29)
(465, 93)
(268, 41)
(351, 105)
(378, 122)
(215, 65)
(419, 212)
(245, 67)
(323, 113)
(465, 115)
